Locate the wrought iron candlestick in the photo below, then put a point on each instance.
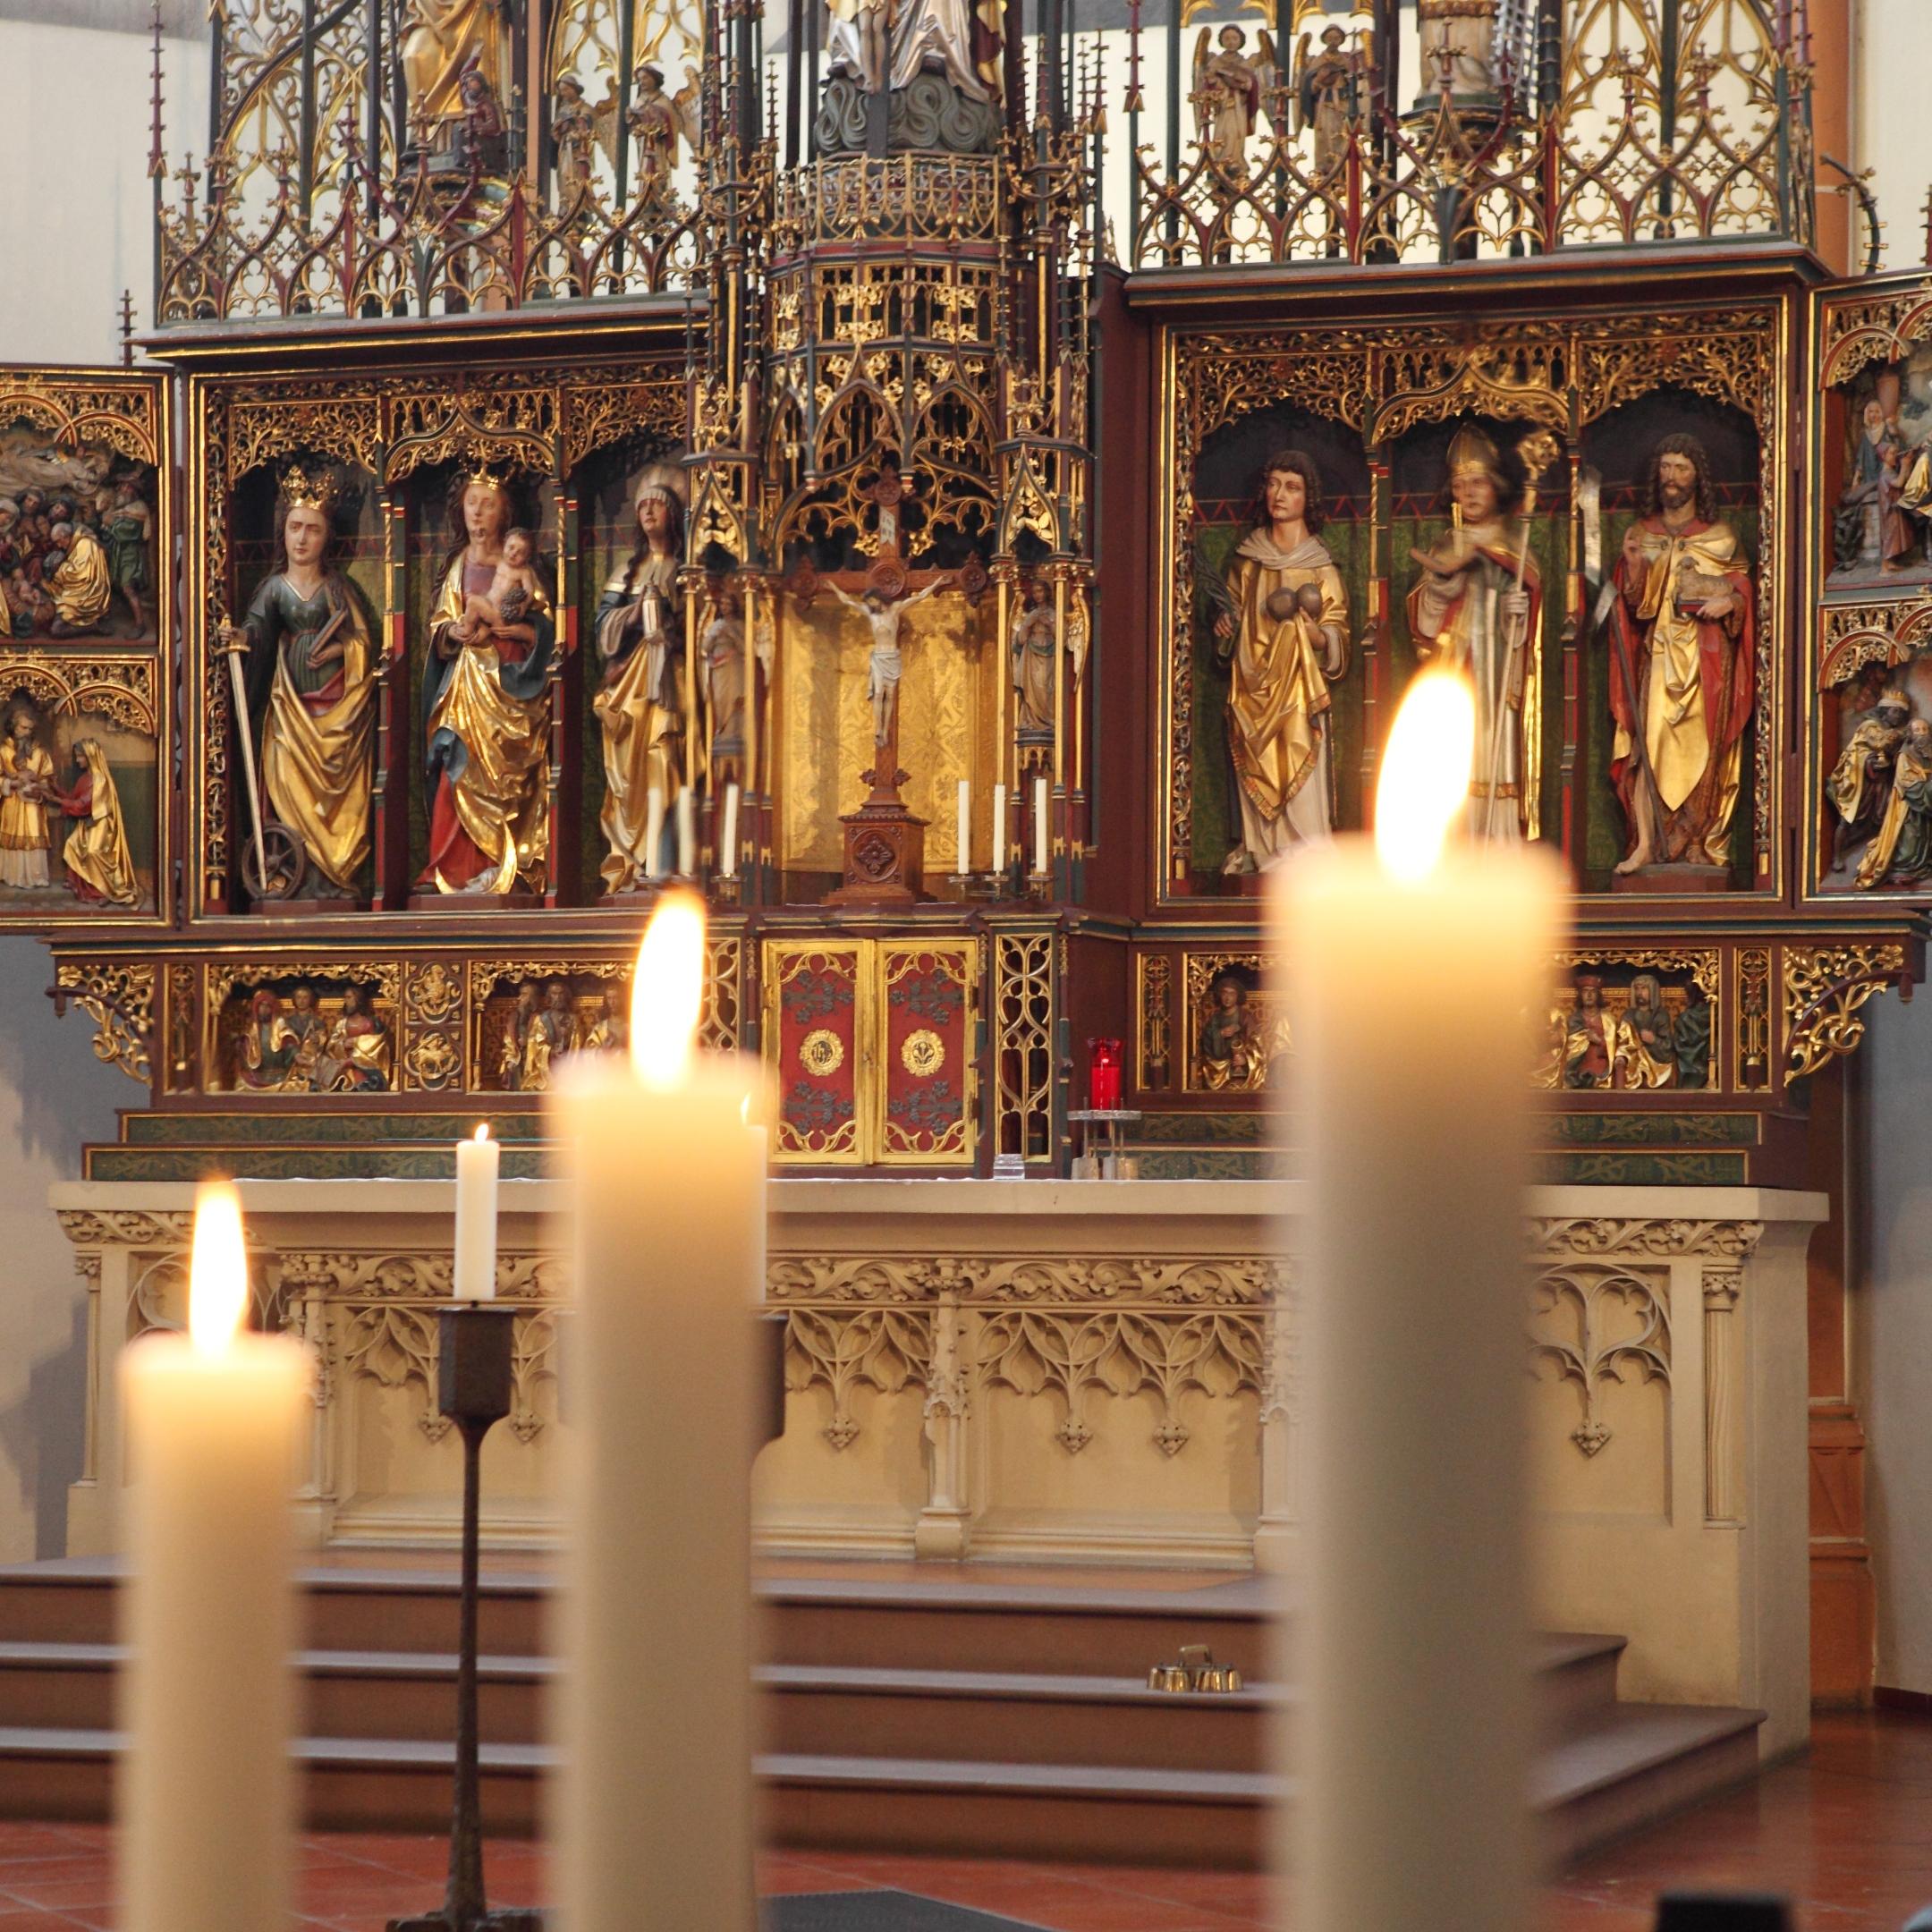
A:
(476, 1344)
(475, 1341)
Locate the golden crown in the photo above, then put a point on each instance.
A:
(314, 489)
(482, 471)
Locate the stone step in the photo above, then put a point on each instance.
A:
(907, 1623)
(1635, 1764)
(840, 1710)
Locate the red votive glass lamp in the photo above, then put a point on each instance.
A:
(1103, 1075)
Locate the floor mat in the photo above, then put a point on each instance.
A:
(875, 1911)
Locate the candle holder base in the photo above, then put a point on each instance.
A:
(489, 1921)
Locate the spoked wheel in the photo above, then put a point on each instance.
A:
(286, 863)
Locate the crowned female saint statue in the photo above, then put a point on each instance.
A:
(641, 642)
(311, 685)
(1476, 606)
(486, 700)
(1282, 628)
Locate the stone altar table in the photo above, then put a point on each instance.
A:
(1081, 1371)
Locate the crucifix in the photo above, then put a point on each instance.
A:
(885, 844)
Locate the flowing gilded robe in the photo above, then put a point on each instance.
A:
(641, 640)
(487, 706)
(25, 778)
(1650, 1047)
(99, 868)
(319, 735)
(81, 586)
(1684, 683)
(1277, 702)
(440, 40)
(1455, 612)
(355, 1058)
(1598, 1049)
(1901, 852)
(1860, 781)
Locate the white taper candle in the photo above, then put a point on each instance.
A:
(667, 1189)
(687, 834)
(1413, 1734)
(654, 816)
(474, 1270)
(728, 838)
(208, 1697)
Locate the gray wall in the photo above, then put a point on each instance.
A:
(72, 102)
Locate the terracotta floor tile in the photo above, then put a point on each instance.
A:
(1846, 1832)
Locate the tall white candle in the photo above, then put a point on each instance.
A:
(728, 838)
(653, 1820)
(474, 1274)
(687, 834)
(963, 830)
(213, 1418)
(1413, 1735)
(999, 829)
(1039, 825)
(654, 832)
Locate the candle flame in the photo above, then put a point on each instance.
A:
(482, 1132)
(1425, 773)
(217, 1273)
(667, 990)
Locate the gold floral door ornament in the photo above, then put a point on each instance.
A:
(873, 1047)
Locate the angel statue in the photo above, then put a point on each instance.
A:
(657, 121)
(1327, 87)
(1231, 89)
(577, 130)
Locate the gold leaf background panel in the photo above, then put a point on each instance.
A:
(948, 699)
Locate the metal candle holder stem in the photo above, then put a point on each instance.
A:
(476, 1343)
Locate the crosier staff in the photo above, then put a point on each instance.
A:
(1537, 451)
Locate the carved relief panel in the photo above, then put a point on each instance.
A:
(87, 647)
(1869, 821)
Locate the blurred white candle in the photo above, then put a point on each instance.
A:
(213, 1419)
(654, 832)
(687, 834)
(477, 1163)
(1413, 1741)
(652, 1818)
(728, 841)
(1039, 825)
(999, 829)
(962, 832)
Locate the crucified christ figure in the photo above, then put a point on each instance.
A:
(885, 665)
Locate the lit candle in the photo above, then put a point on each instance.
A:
(686, 834)
(213, 1419)
(474, 1275)
(654, 832)
(1039, 825)
(728, 842)
(1413, 1733)
(654, 1819)
(962, 832)
(999, 829)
